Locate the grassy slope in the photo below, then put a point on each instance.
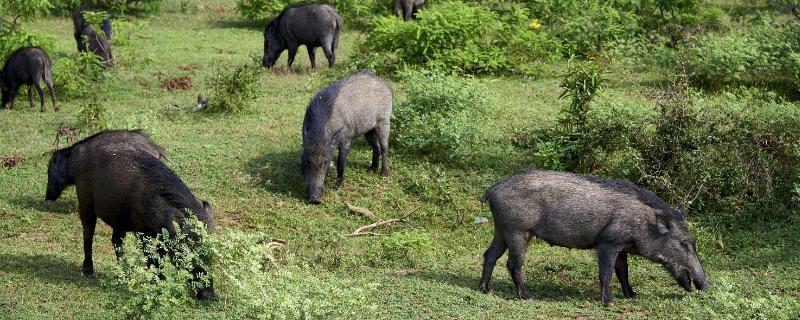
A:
(246, 166)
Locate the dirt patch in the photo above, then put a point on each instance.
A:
(11, 161)
(177, 83)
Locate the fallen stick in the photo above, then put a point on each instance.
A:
(275, 243)
(363, 230)
(361, 211)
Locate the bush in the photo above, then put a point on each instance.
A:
(356, 13)
(233, 88)
(77, 75)
(261, 9)
(765, 52)
(442, 117)
(458, 37)
(92, 114)
(117, 7)
(733, 155)
(10, 41)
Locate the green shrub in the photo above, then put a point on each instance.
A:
(733, 155)
(261, 9)
(93, 113)
(233, 88)
(458, 37)
(597, 27)
(77, 75)
(443, 116)
(763, 53)
(117, 7)
(258, 286)
(124, 30)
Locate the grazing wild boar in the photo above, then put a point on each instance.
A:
(358, 105)
(62, 168)
(569, 210)
(99, 45)
(312, 25)
(79, 24)
(408, 7)
(27, 65)
(132, 191)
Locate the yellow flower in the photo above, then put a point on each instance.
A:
(535, 24)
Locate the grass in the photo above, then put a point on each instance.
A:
(246, 166)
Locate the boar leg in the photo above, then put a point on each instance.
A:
(382, 131)
(396, 9)
(48, 80)
(407, 7)
(344, 149)
(311, 56)
(39, 90)
(292, 53)
(116, 239)
(372, 138)
(621, 269)
(30, 95)
(607, 256)
(88, 220)
(517, 246)
(495, 250)
(328, 48)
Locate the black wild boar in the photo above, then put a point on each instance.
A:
(99, 45)
(358, 105)
(409, 8)
(312, 25)
(79, 24)
(575, 211)
(28, 65)
(62, 168)
(132, 191)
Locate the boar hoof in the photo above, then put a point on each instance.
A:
(485, 289)
(523, 295)
(89, 273)
(339, 183)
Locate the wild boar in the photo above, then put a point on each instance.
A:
(569, 210)
(309, 24)
(27, 65)
(358, 105)
(132, 191)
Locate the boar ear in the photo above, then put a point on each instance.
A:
(207, 207)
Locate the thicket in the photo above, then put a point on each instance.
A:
(116, 7)
(734, 155)
(443, 117)
(249, 273)
(233, 88)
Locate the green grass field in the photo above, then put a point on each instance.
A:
(246, 166)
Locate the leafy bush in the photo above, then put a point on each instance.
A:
(12, 35)
(597, 27)
(92, 114)
(117, 7)
(733, 155)
(124, 30)
(456, 36)
(356, 13)
(12, 40)
(233, 88)
(443, 116)
(77, 75)
(261, 9)
(764, 52)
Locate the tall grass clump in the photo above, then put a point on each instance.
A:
(443, 117)
(233, 88)
(733, 155)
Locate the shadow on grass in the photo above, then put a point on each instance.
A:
(50, 268)
(540, 289)
(39, 204)
(279, 172)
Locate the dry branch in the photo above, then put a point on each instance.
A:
(364, 230)
(361, 211)
(274, 243)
